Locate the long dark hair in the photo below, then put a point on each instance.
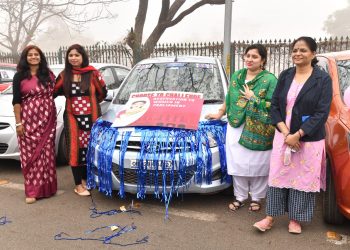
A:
(68, 75)
(261, 50)
(43, 72)
(310, 43)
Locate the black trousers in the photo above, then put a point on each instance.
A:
(79, 173)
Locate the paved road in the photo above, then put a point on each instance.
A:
(196, 221)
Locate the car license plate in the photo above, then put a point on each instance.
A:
(150, 164)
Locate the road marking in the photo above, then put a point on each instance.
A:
(211, 217)
(18, 186)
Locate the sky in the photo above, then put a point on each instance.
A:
(251, 20)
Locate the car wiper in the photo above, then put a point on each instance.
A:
(212, 101)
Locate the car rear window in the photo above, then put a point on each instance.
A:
(176, 76)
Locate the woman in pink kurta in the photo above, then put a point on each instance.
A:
(35, 114)
(306, 170)
(299, 110)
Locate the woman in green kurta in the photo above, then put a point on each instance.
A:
(249, 133)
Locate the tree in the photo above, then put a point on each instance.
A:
(21, 20)
(167, 18)
(338, 23)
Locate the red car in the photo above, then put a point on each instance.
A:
(336, 199)
(7, 71)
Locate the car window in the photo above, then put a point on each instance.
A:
(6, 74)
(187, 77)
(121, 73)
(108, 77)
(344, 80)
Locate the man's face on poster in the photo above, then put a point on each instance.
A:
(136, 107)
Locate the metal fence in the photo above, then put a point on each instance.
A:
(278, 52)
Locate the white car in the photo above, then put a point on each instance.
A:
(113, 74)
(186, 74)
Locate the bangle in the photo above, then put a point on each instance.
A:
(18, 124)
(285, 137)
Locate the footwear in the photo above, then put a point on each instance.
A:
(82, 193)
(84, 184)
(263, 225)
(294, 227)
(235, 205)
(254, 206)
(30, 200)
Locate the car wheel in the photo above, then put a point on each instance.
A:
(62, 149)
(331, 213)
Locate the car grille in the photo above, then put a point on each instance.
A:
(130, 176)
(3, 147)
(4, 125)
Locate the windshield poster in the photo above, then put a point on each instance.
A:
(161, 108)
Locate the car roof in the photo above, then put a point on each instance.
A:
(339, 55)
(169, 59)
(96, 65)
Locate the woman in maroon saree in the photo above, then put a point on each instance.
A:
(35, 114)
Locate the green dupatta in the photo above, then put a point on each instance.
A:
(258, 132)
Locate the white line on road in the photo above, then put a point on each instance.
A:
(18, 186)
(186, 213)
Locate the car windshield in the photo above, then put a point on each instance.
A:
(6, 74)
(177, 76)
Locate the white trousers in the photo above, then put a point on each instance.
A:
(257, 186)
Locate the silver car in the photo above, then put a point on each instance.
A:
(191, 74)
(113, 75)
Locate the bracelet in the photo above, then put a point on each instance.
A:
(18, 124)
(285, 137)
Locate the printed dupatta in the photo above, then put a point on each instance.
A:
(254, 113)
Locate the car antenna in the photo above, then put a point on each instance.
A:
(175, 51)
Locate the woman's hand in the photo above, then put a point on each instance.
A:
(20, 130)
(292, 140)
(212, 116)
(247, 93)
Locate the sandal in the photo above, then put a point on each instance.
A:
(263, 225)
(235, 205)
(85, 192)
(294, 227)
(254, 206)
(30, 200)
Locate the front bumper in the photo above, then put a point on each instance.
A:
(8, 139)
(130, 176)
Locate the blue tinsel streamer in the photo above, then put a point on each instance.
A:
(4, 221)
(189, 149)
(105, 239)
